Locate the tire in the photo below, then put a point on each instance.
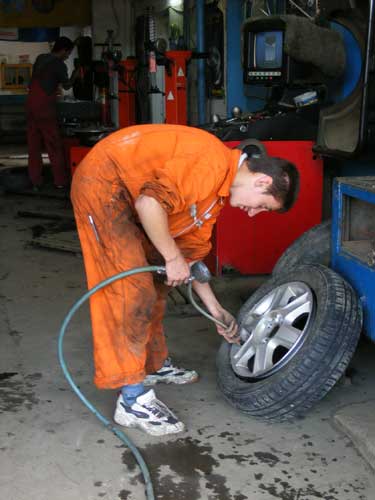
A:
(313, 247)
(319, 358)
(15, 180)
(252, 147)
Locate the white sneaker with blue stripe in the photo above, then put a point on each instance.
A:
(148, 414)
(169, 374)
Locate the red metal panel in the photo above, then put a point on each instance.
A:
(77, 153)
(68, 143)
(126, 91)
(175, 86)
(253, 245)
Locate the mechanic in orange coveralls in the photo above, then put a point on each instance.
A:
(150, 195)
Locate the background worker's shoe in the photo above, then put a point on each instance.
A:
(148, 414)
(169, 374)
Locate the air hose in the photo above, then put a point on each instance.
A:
(199, 272)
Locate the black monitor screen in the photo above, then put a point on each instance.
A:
(268, 50)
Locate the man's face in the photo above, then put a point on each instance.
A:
(252, 197)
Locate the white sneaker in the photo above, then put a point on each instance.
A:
(169, 374)
(148, 414)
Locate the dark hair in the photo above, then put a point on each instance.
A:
(285, 178)
(63, 43)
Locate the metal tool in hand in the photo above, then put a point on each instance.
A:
(200, 272)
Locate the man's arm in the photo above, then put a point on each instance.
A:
(69, 82)
(65, 81)
(217, 311)
(154, 220)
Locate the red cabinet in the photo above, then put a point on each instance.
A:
(76, 155)
(253, 245)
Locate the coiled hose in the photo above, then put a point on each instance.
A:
(202, 275)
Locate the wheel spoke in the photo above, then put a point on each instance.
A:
(276, 299)
(251, 319)
(297, 307)
(263, 358)
(242, 357)
(286, 336)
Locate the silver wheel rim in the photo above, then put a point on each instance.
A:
(273, 331)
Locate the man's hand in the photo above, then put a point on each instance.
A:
(178, 271)
(231, 332)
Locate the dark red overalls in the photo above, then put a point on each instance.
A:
(42, 128)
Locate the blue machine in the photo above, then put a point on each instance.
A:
(353, 240)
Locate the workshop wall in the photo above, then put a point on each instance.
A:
(10, 51)
(118, 16)
(29, 14)
(169, 25)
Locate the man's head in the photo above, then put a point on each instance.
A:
(63, 47)
(265, 183)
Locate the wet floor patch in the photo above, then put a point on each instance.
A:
(180, 469)
(16, 391)
(6, 375)
(187, 469)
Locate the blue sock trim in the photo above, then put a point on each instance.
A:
(131, 392)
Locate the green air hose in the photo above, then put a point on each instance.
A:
(199, 272)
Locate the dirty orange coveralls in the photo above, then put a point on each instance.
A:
(189, 172)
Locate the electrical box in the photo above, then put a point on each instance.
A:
(353, 240)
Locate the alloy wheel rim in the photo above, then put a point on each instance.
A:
(273, 331)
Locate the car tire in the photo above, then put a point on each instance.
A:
(328, 343)
(15, 180)
(253, 148)
(313, 247)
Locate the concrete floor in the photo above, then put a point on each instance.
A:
(52, 448)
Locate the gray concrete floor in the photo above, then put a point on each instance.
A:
(53, 448)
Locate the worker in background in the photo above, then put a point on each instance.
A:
(49, 71)
(150, 195)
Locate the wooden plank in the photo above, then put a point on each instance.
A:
(68, 215)
(66, 241)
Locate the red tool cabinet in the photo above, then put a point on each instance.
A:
(77, 153)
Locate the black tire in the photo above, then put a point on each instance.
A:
(15, 180)
(313, 247)
(252, 147)
(329, 343)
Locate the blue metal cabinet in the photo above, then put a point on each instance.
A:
(353, 240)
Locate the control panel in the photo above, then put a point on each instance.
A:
(264, 75)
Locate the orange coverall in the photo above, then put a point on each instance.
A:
(189, 172)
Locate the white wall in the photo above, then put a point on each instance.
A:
(164, 17)
(116, 15)
(72, 32)
(14, 49)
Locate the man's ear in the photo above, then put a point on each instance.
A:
(263, 181)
